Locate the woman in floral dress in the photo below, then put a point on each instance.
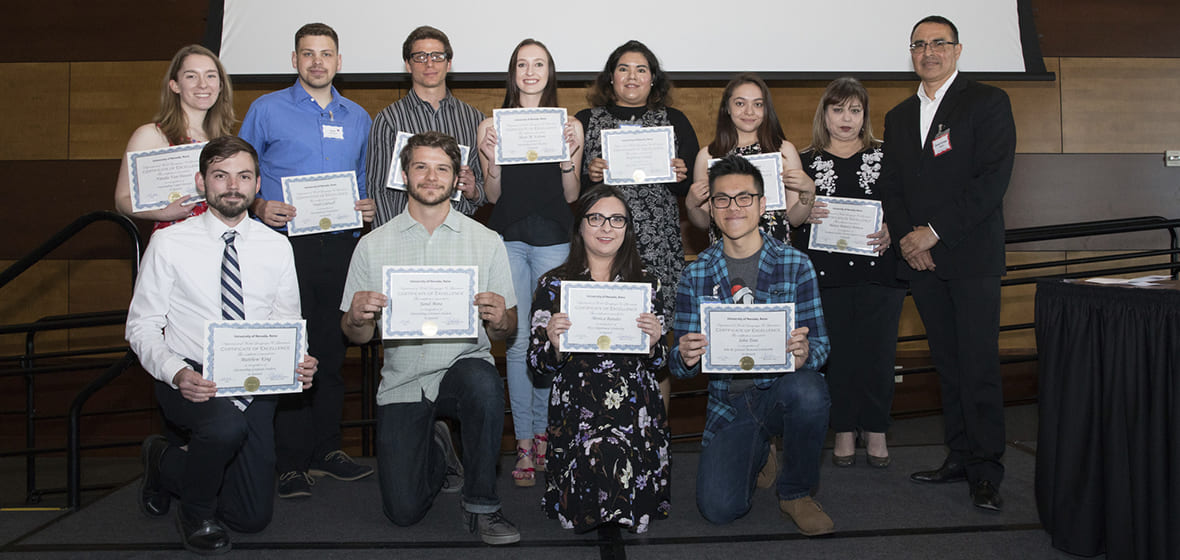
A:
(608, 433)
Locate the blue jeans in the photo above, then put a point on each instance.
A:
(530, 405)
(796, 407)
(411, 468)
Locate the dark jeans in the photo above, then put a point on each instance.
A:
(307, 424)
(795, 406)
(411, 468)
(862, 325)
(962, 320)
(228, 470)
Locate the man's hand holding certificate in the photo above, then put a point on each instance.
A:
(325, 202)
(430, 302)
(747, 338)
(603, 317)
(530, 135)
(160, 177)
(246, 358)
(847, 226)
(639, 155)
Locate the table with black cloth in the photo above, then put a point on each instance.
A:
(1108, 448)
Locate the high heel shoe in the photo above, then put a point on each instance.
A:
(524, 477)
(843, 461)
(878, 462)
(540, 457)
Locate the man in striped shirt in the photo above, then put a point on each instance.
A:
(429, 106)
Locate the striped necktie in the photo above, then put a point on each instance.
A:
(233, 306)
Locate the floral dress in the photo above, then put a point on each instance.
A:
(608, 433)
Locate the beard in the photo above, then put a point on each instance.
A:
(432, 198)
(230, 205)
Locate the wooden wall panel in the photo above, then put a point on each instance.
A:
(69, 30)
(1036, 106)
(108, 101)
(98, 285)
(38, 125)
(1130, 28)
(41, 291)
(1120, 105)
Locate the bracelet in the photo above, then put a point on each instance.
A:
(564, 170)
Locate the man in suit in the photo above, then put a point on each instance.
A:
(949, 151)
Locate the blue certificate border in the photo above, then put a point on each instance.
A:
(645, 343)
(356, 196)
(813, 244)
(706, 315)
(387, 331)
(393, 178)
(295, 386)
(501, 159)
(778, 174)
(611, 179)
(133, 162)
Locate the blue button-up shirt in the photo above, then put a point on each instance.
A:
(295, 136)
(785, 275)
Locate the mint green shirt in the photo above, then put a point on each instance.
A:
(414, 368)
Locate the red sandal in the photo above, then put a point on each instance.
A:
(539, 457)
(526, 477)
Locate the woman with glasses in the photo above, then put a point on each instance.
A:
(196, 105)
(608, 431)
(532, 215)
(748, 125)
(861, 295)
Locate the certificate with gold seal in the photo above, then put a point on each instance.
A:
(429, 302)
(639, 155)
(247, 358)
(747, 338)
(323, 202)
(604, 317)
(848, 225)
(530, 135)
(161, 177)
(394, 180)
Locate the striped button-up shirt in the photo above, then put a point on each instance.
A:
(414, 115)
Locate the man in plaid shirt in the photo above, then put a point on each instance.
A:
(744, 412)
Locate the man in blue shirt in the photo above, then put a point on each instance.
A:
(306, 129)
(744, 412)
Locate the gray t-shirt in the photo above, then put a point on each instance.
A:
(743, 277)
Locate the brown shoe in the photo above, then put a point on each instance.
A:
(808, 516)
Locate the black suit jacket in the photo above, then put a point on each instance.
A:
(959, 193)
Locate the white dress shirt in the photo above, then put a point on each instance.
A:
(930, 106)
(179, 288)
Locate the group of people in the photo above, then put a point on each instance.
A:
(594, 423)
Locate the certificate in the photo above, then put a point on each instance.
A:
(530, 135)
(395, 181)
(747, 338)
(254, 357)
(846, 229)
(323, 202)
(603, 317)
(429, 302)
(771, 166)
(161, 177)
(635, 155)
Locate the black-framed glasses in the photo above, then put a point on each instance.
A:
(741, 199)
(616, 221)
(421, 56)
(937, 45)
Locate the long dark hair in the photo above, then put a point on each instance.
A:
(601, 92)
(770, 132)
(512, 92)
(627, 265)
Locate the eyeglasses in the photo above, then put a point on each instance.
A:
(421, 57)
(742, 200)
(617, 221)
(937, 45)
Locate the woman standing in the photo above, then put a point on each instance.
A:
(607, 425)
(532, 215)
(748, 125)
(861, 295)
(196, 105)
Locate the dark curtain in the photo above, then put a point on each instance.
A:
(1108, 449)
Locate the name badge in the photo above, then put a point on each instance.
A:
(334, 132)
(942, 143)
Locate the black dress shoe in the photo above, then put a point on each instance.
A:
(985, 495)
(206, 536)
(153, 500)
(948, 472)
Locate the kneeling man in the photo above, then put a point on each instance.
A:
(744, 412)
